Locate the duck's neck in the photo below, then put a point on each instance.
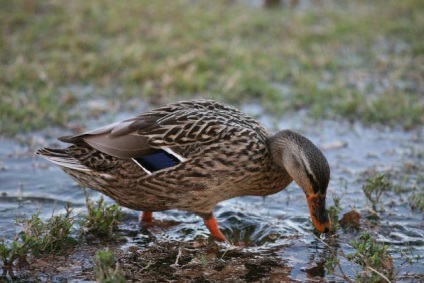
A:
(308, 167)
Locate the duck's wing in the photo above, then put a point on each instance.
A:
(169, 128)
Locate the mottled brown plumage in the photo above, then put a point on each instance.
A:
(190, 156)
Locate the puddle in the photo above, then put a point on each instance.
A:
(277, 225)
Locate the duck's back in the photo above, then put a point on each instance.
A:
(187, 155)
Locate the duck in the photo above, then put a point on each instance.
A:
(190, 156)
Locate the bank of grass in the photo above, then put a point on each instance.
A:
(39, 237)
(361, 60)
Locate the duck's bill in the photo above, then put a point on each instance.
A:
(319, 215)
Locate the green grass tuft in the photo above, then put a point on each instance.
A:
(101, 218)
(107, 269)
(374, 189)
(333, 214)
(373, 257)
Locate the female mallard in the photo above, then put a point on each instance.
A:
(190, 156)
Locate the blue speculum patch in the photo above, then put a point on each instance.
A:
(157, 161)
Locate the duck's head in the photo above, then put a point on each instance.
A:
(309, 168)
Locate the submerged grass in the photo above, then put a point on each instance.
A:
(361, 60)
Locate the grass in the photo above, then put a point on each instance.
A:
(101, 218)
(416, 200)
(107, 269)
(37, 237)
(374, 188)
(333, 213)
(373, 258)
(53, 236)
(403, 186)
(357, 60)
(370, 256)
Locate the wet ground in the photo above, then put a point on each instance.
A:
(279, 238)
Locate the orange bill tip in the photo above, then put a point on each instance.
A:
(319, 217)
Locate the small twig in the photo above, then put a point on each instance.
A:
(347, 279)
(149, 264)
(379, 273)
(177, 259)
(222, 256)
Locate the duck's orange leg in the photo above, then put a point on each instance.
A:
(212, 225)
(146, 216)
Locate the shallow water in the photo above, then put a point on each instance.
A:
(278, 224)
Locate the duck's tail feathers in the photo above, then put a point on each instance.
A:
(62, 158)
